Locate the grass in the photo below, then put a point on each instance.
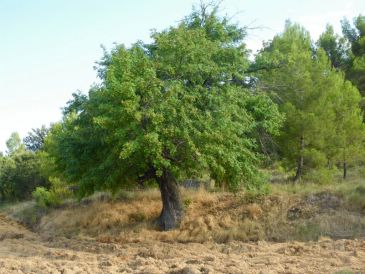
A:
(351, 192)
(304, 212)
(27, 213)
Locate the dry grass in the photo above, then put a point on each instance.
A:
(305, 212)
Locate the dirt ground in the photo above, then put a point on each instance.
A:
(22, 251)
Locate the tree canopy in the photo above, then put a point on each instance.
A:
(172, 109)
(356, 37)
(312, 94)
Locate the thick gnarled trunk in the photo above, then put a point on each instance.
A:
(172, 209)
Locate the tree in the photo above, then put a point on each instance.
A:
(20, 171)
(336, 48)
(13, 143)
(305, 86)
(350, 130)
(36, 138)
(165, 111)
(6, 165)
(20, 174)
(356, 37)
(75, 105)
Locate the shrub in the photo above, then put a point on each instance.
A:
(187, 203)
(54, 196)
(320, 176)
(20, 175)
(42, 197)
(60, 188)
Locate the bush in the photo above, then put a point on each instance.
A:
(60, 188)
(20, 175)
(54, 196)
(42, 197)
(320, 176)
(187, 203)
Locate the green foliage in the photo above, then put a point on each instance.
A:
(176, 105)
(57, 193)
(36, 138)
(13, 143)
(20, 175)
(187, 202)
(336, 48)
(349, 134)
(20, 171)
(356, 37)
(75, 105)
(42, 197)
(320, 176)
(311, 94)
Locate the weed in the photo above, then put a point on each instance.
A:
(187, 203)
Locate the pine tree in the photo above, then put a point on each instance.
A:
(356, 37)
(309, 91)
(336, 48)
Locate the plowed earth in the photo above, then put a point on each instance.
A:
(23, 251)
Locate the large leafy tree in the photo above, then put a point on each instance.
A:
(168, 110)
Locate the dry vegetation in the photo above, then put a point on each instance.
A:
(313, 227)
(25, 252)
(289, 213)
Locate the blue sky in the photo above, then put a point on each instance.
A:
(48, 48)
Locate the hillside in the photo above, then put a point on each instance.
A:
(221, 233)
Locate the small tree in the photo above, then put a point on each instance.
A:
(20, 171)
(350, 130)
(13, 143)
(356, 37)
(168, 110)
(34, 141)
(20, 175)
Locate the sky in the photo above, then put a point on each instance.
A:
(48, 48)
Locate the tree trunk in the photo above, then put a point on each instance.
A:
(172, 210)
(300, 163)
(344, 170)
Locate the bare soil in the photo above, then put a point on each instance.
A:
(23, 251)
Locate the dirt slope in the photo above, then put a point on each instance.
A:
(22, 251)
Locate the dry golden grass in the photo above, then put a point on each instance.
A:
(289, 213)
